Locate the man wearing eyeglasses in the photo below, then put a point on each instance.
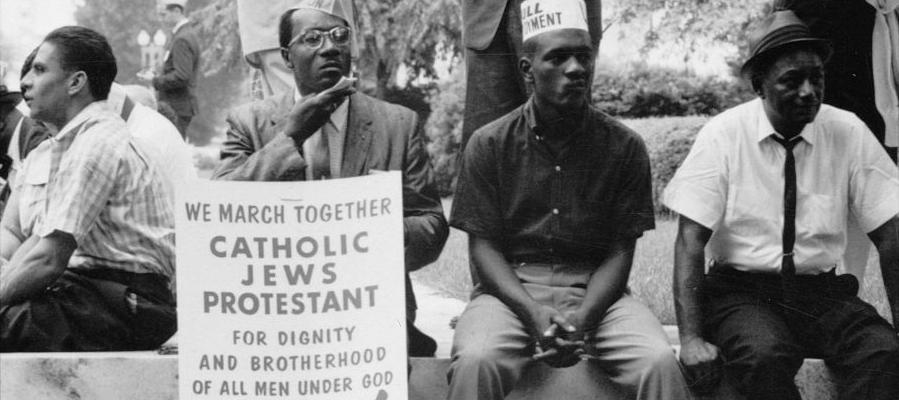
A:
(325, 130)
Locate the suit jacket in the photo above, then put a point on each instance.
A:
(178, 80)
(379, 136)
(481, 18)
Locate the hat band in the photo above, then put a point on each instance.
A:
(786, 34)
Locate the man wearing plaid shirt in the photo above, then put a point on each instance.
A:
(87, 242)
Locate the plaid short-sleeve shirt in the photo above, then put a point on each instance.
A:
(94, 183)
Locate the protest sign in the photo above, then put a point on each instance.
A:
(291, 290)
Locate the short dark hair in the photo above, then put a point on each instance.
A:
(285, 28)
(82, 49)
(26, 66)
(173, 7)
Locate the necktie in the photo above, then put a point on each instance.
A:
(319, 156)
(335, 148)
(788, 267)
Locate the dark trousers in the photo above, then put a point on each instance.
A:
(182, 124)
(764, 338)
(494, 85)
(104, 310)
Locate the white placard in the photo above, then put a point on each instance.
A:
(291, 290)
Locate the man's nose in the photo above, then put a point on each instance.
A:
(328, 45)
(25, 83)
(573, 66)
(806, 89)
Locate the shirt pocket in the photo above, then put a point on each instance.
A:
(32, 187)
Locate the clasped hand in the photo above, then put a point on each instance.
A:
(561, 339)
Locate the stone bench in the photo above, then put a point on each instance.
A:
(151, 376)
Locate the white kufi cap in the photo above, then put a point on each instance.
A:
(540, 16)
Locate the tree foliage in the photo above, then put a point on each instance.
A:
(120, 21)
(222, 74)
(413, 33)
(688, 25)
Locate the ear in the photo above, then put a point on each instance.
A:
(77, 82)
(285, 54)
(524, 66)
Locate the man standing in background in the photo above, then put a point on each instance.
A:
(178, 80)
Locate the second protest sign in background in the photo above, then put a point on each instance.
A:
(291, 290)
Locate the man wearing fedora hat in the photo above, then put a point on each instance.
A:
(767, 189)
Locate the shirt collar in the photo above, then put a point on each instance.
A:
(338, 117)
(766, 130)
(179, 25)
(86, 113)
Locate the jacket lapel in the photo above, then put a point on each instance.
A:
(278, 116)
(358, 137)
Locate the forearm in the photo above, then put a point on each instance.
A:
(10, 241)
(41, 265)
(11, 236)
(427, 233)
(608, 282)
(886, 239)
(499, 279)
(689, 270)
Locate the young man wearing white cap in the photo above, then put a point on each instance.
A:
(324, 129)
(178, 80)
(553, 197)
(491, 34)
(767, 191)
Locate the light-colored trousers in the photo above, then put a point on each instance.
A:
(491, 346)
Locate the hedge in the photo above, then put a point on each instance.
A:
(668, 140)
(638, 92)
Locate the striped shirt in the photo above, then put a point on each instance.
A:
(95, 183)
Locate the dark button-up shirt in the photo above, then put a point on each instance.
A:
(546, 207)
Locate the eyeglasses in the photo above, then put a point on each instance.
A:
(315, 38)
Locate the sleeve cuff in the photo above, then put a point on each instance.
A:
(876, 216)
(474, 229)
(693, 206)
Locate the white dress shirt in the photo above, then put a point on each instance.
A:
(732, 182)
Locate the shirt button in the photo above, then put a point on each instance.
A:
(555, 211)
(558, 168)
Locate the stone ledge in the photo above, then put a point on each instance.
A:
(148, 375)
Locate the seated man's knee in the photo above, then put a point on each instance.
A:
(880, 348)
(765, 362)
(477, 359)
(659, 358)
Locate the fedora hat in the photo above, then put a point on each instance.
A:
(778, 30)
